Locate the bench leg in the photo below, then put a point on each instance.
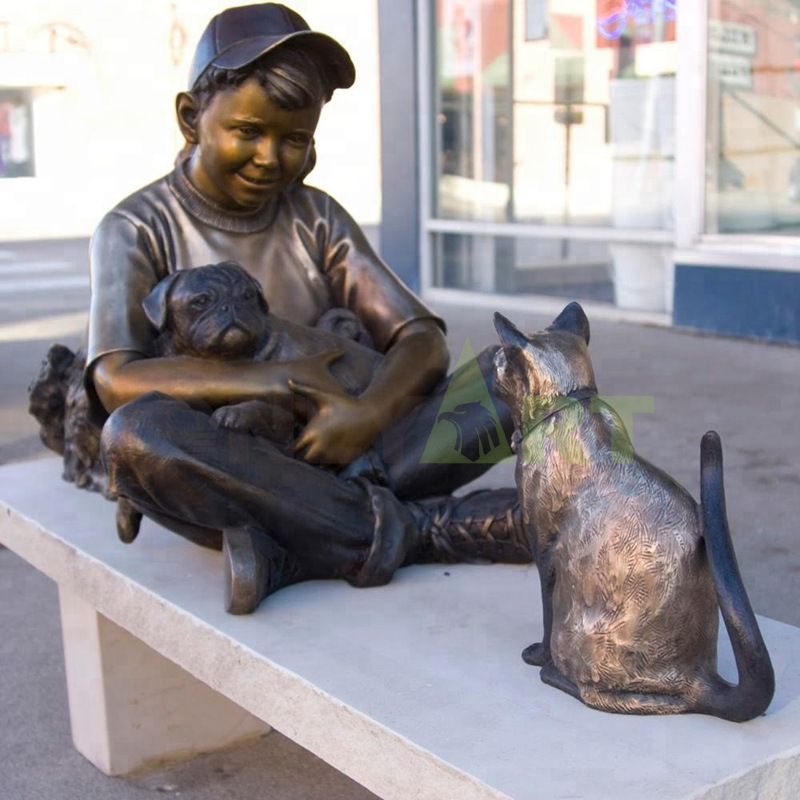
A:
(130, 707)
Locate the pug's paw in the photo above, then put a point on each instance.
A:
(243, 417)
(258, 419)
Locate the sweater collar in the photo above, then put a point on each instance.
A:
(213, 214)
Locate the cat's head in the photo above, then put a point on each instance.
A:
(545, 364)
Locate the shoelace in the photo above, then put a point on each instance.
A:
(472, 530)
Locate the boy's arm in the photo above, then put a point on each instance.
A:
(410, 335)
(125, 375)
(344, 426)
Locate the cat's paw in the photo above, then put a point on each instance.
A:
(536, 654)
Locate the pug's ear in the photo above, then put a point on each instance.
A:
(573, 320)
(155, 304)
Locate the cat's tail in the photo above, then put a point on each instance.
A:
(753, 693)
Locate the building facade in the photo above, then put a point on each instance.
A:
(87, 106)
(637, 155)
(641, 156)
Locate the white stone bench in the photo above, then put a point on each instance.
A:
(416, 689)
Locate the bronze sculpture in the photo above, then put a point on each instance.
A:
(200, 427)
(631, 569)
(259, 80)
(57, 399)
(219, 312)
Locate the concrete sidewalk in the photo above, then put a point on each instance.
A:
(746, 391)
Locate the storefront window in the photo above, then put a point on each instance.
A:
(16, 134)
(753, 117)
(557, 267)
(551, 113)
(556, 112)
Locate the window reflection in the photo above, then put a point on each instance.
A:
(16, 134)
(554, 113)
(753, 117)
(474, 109)
(556, 267)
(558, 112)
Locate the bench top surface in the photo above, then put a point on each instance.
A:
(417, 688)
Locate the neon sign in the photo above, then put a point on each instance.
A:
(634, 13)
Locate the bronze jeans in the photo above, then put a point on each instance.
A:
(175, 465)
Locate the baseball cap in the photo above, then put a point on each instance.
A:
(238, 36)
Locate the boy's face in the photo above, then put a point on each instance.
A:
(248, 149)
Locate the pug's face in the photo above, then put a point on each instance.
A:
(216, 311)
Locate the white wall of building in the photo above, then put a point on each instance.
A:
(104, 121)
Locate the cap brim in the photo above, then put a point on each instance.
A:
(245, 52)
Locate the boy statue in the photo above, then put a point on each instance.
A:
(355, 502)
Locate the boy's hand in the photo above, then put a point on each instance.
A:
(313, 370)
(344, 426)
(341, 430)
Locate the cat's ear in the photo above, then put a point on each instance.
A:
(510, 335)
(572, 319)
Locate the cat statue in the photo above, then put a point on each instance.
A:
(632, 569)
